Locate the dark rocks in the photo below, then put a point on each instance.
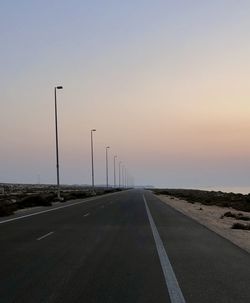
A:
(237, 216)
(7, 207)
(241, 226)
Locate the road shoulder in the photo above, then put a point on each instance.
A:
(210, 216)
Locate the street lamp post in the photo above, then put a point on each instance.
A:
(115, 171)
(123, 167)
(125, 173)
(92, 160)
(120, 162)
(107, 167)
(57, 148)
(126, 178)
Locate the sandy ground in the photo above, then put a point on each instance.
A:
(210, 217)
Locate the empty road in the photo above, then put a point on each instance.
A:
(124, 247)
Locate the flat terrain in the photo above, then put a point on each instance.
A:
(213, 217)
(123, 247)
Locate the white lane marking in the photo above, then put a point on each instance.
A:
(56, 208)
(174, 290)
(87, 214)
(48, 234)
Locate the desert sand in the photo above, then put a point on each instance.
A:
(210, 216)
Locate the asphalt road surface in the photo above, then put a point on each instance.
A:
(124, 247)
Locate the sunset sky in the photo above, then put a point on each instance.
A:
(165, 83)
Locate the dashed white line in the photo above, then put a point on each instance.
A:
(45, 236)
(174, 290)
(87, 214)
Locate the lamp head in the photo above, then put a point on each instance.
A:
(59, 87)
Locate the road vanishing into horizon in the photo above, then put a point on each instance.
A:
(123, 247)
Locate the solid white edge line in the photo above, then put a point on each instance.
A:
(43, 211)
(48, 234)
(174, 290)
(56, 208)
